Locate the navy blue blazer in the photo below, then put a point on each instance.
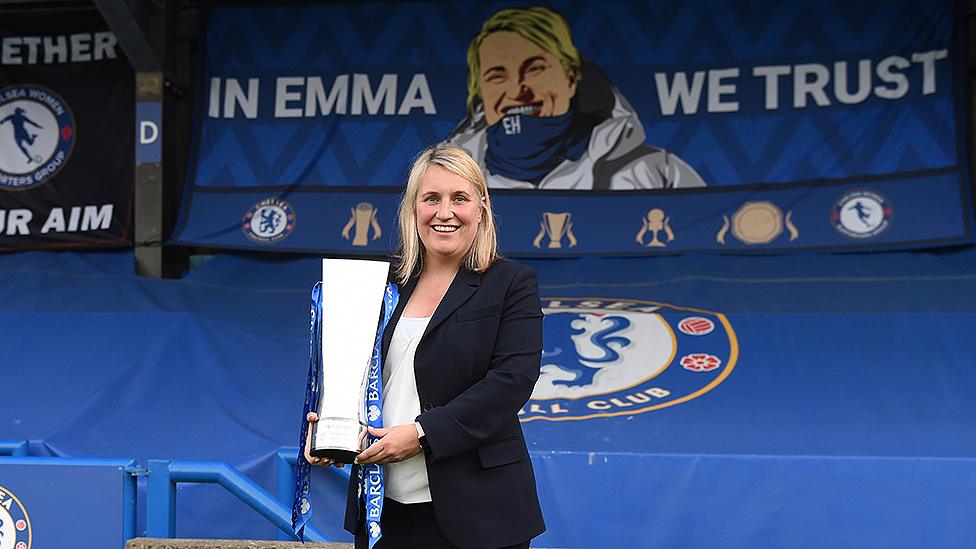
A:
(476, 366)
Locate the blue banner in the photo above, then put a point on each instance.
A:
(618, 128)
(66, 147)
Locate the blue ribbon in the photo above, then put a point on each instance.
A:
(371, 489)
(301, 509)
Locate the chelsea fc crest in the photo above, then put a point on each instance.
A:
(37, 134)
(611, 357)
(270, 220)
(15, 526)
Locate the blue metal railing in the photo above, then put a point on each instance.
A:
(161, 495)
(285, 473)
(13, 448)
(285, 478)
(163, 475)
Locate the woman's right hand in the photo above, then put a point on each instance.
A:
(312, 417)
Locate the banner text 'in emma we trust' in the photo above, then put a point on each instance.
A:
(714, 91)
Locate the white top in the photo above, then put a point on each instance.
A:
(406, 481)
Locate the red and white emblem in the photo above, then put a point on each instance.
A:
(696, 326)
(700, 362)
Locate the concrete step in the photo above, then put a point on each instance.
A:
(162, 543)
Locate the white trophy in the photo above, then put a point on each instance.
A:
(352, 302)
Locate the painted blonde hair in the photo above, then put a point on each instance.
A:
(410, 252)
(541, 26)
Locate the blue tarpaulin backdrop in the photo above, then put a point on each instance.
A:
(847, 420)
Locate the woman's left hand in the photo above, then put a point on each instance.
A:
(396, 443)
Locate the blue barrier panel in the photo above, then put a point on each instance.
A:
(161, 497)
(13, 448)
(55, 502)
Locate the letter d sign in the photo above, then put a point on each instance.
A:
(148, 132)
(149, 122)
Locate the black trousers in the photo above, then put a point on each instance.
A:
(412, 526)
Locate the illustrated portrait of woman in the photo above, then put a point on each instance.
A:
(542, 117)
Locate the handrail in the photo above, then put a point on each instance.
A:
(285, 478)
(161, 495)
(13, 448)
(285, 473)
(164, 474)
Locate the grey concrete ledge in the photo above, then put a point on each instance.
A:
(162, 543)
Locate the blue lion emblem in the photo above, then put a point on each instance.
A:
(560, 331)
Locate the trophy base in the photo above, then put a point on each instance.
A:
(335, 454)
(337, 438)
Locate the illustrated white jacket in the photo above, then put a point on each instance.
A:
(616, 157)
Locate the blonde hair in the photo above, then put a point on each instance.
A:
(484, 249)
(541, 26)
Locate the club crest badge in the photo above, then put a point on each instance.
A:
(15, 526)
(270, 220)
(611, 357)
(37, 135)
(861, 214)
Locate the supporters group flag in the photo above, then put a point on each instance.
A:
(66, 146)
(616, 128)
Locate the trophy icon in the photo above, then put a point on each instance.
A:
(556, 225)
(655, 222)
(362, 218)
(758, 222)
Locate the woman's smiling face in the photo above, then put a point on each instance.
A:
(519, 77)
(448, 213)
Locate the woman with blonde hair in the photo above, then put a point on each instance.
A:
(540, 116)
(461, 356)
